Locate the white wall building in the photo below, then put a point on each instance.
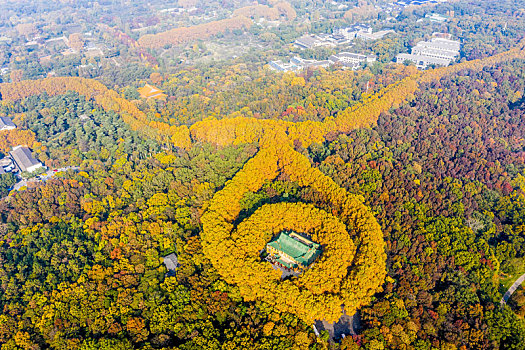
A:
(435, 17)
(311, 41)
(368, 35)
(350, 32)
(438, 51)
(283, 67)
(6, 124)
(302, 63)
(24, 160)
(350, 60)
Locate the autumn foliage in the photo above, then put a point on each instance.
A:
(108, 99)
(361, 12)
(15, 137)
(240, 129)
(186, 34)
(337, 278)
(258, 10)
(265, 11)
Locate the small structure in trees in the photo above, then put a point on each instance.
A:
(292, 250)
(172, 263)
(150, 91)
(6, 124)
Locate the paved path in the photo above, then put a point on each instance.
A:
(43, 177)
(347, 325)
(512, 289)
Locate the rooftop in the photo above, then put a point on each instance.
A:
(6, 123)
(24, 159)
(307, 40)
(422, 60)
(171, 262)
(150, 91)
(440, 44)
(297, 247)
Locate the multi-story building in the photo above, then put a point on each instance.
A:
(327, 40)
(297, 63)
(302, 63)
(283, 67)
(421, 61)
(438, 48)
(310, 41)
(350, 60)
(351, 32)
(438, 51)
(370, 36)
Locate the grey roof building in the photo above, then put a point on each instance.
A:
(350, 60)
(307, 42)
(439, 52)
(421, 61)
(6, 124)
(171, 262)
(24, 160)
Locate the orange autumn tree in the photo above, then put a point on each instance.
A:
(246, 129)
(15, 137)
(186, 34)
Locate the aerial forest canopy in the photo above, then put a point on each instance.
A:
(339, 278)
(412, 181)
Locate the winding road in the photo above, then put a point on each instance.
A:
(512, 289)
(43, 177)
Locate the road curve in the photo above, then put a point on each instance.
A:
(512, 289)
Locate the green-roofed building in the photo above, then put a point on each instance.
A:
(293, 250)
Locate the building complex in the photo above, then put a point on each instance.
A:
(350, 60)
(340, 36)
(369, 35)
(311, 41)
(297, 63)
(437, 52)
(347, 60)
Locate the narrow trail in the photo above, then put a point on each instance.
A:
(512, 289)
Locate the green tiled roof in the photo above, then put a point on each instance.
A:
(303, 253)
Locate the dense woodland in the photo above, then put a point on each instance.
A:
(413, 182)
(443, 175)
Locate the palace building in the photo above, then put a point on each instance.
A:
(293, 250)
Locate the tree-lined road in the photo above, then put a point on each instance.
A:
(512, 289)
(43, 177)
